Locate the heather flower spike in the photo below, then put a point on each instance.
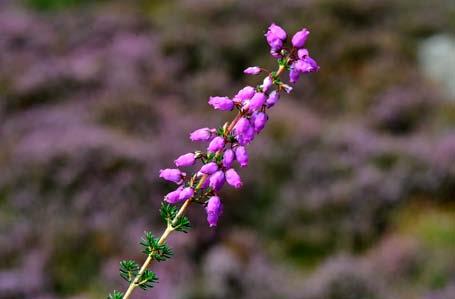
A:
(226, 144)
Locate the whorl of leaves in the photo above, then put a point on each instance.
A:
(168, 214)
(115, 295)
(147, 280)
(152, 248)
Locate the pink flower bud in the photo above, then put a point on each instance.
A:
(233, 178)
(273, 98)
(268, 82)
(246, 137)
(216, 180)
(252, 70)
(173, 197)
(216, 144)
(203, 134)
(185, 160)
(275, 43)
(306, 65)
(260, 119)
(299, 39)
(221, 103)
(186, 193)
(214, 210)
(294, 74)
(228, 158)
(241, 126)
(173, 175)
(275, 37)
(257, 101)
(245, 93)
(241, 155)
(209, 168)
(277, 31)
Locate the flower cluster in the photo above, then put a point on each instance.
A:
(226, 147)
(227, 144)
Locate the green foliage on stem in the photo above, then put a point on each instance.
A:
(210, 156)
(168, 214)
(147, 280)
(152, 248)
(115, 295)
(231, 138)
(128, 270)
(182, 224)
(220, 131)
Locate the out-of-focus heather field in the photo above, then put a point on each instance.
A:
(351, 189)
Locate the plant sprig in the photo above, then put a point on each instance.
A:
(226, 144)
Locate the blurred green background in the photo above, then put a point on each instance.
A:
(350, 193)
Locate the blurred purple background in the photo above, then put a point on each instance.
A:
(351, 189)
